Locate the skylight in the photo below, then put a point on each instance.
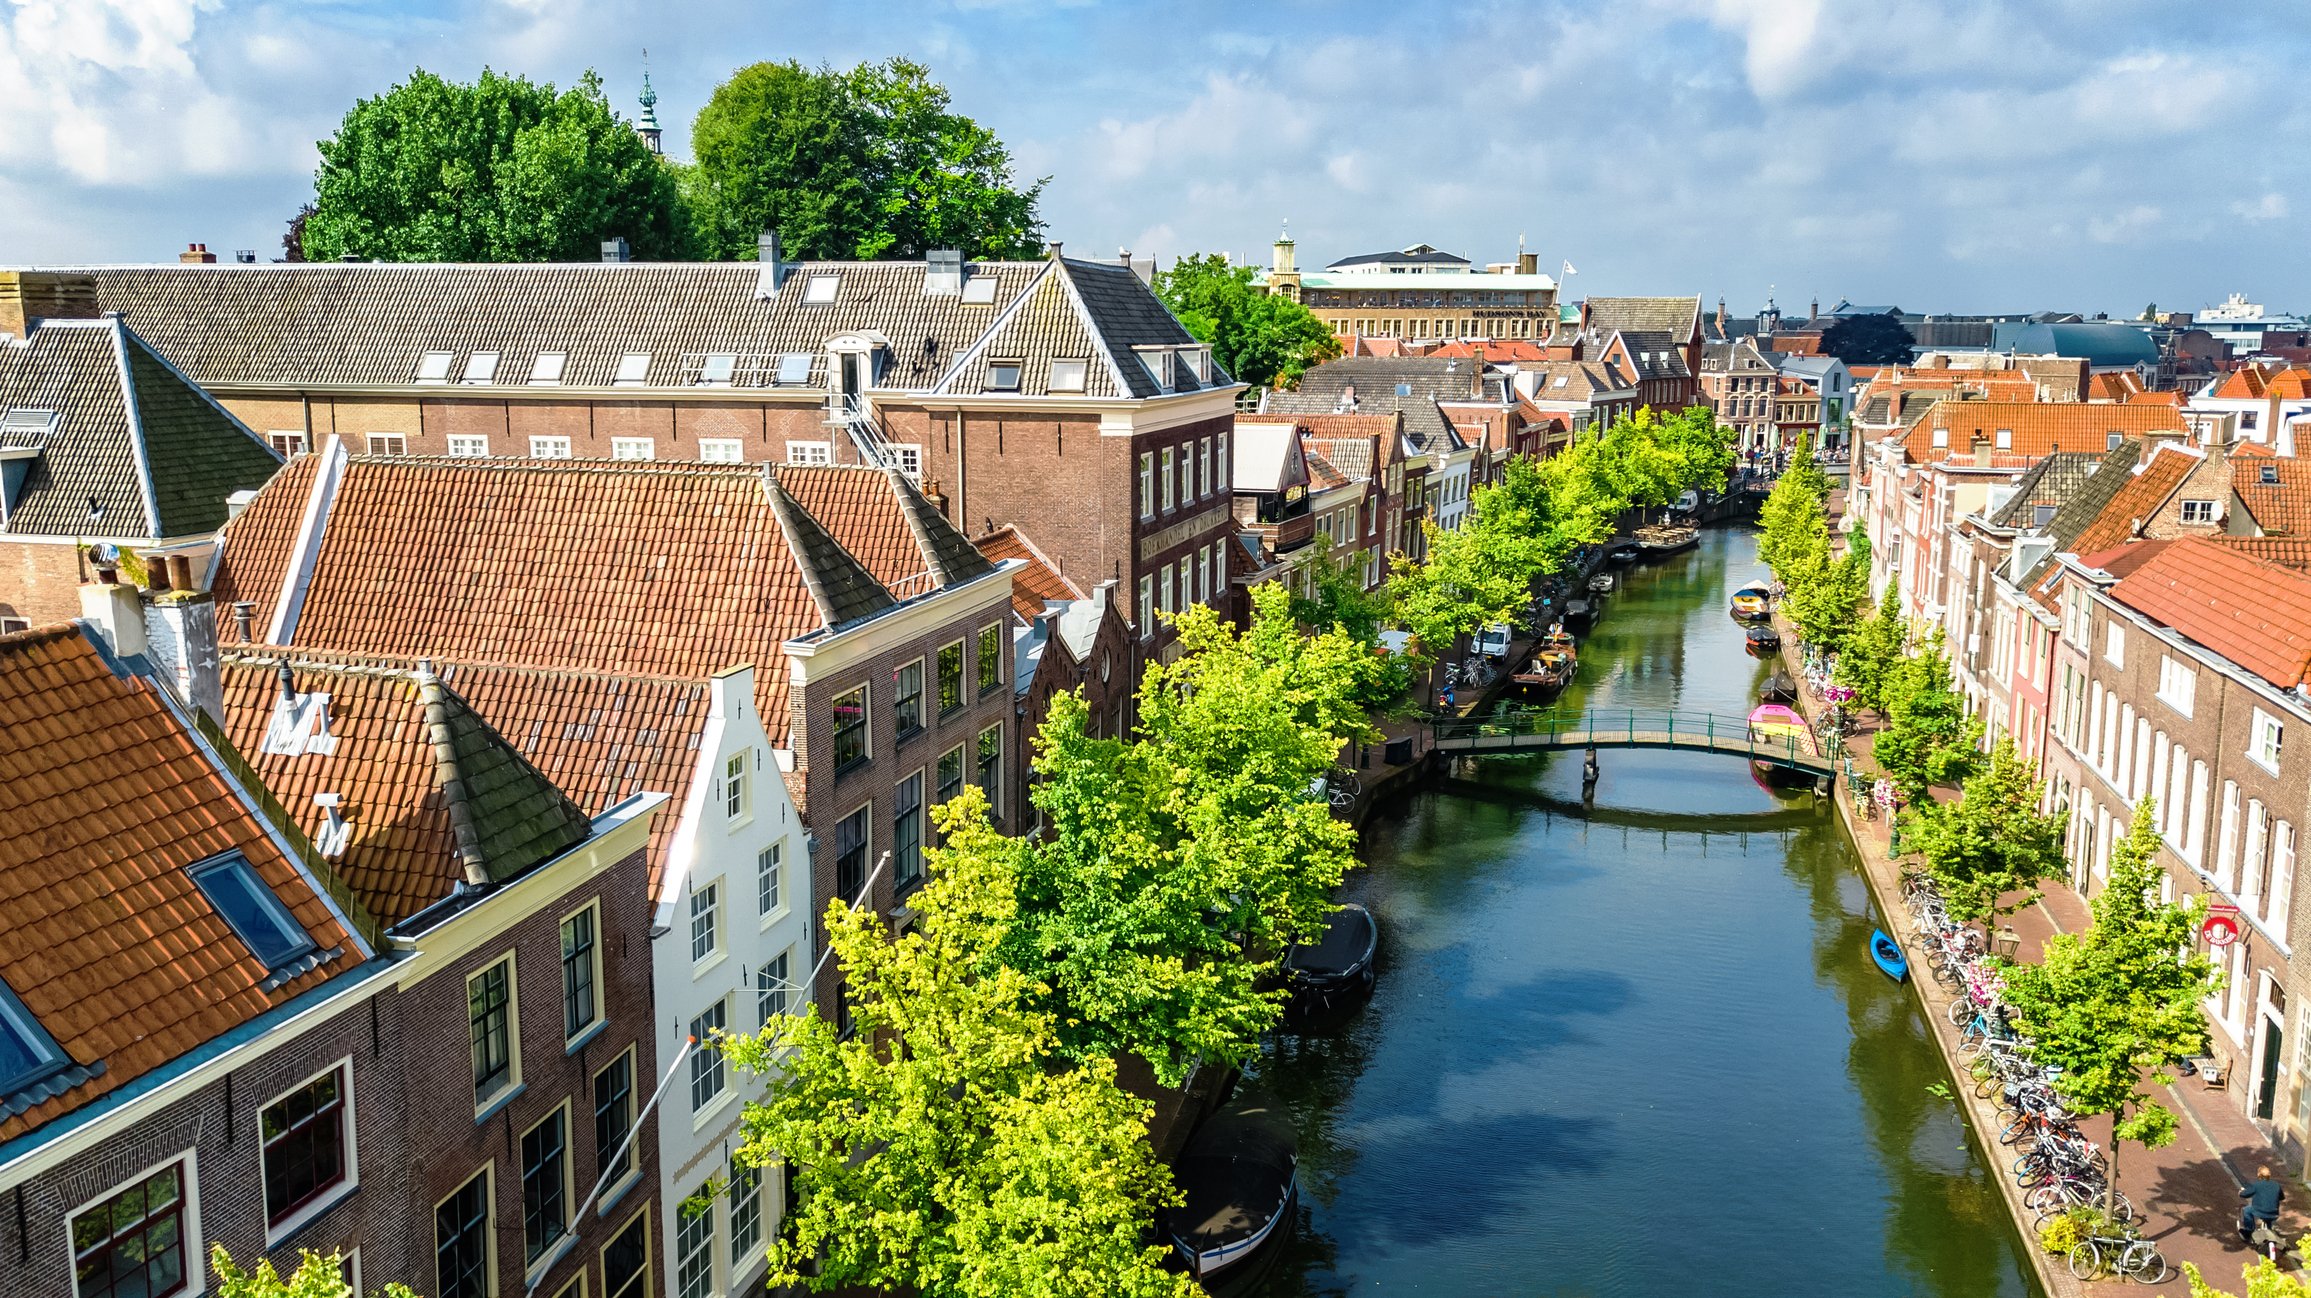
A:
(546, 370)
(433, 367)
(257, 916)
(1003, 376)
(717, 369)
(2267, 474)
(633, 369)
(481, 367)
(979, 290)
(793, 369)
(27, 1052)
(1068, 376)
(820, 291)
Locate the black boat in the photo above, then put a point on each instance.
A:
(1581, 613)
(1764, 640)
(1623, 552)
(1239, 1184)
(1338, 966)
(1778, 688)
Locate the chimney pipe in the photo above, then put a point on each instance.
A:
(1123, 255)
(1055, 249)
(196, 254)
(615, 250)
(244, 613)
(773, 270)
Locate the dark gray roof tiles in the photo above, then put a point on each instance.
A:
(1657, 354)
(2110, 473)
(1679, 317)
(2048, 482)
(1408, 386)
(839, 584)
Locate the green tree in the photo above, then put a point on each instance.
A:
(1872, 657)
(503, 169)
(1930, 736)
(2264, 1280)
(2114, 1007)
(1869, 340)
(1260, 338)
(1791, 520)
(1988, 851)
(873, 162)
(1337, 601)
(1178, 869)
(1826, 603)
(940, 1149)
(318, 1275)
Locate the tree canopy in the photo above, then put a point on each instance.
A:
(1931, 736)
(1260, 338)
(318, 1275)
(866, 163)
(502, 169)
(1989, 850)
(1869, 340)
(1870, 660)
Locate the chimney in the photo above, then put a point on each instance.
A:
(1054, 249)
(1814, 311)
(181, 632)
(1123, 257)
(1528, 263)
(616, 250)
(114, 612)
(766, 252)
(197, 254)
(244, 620)
(30, 296)
(1981, 450)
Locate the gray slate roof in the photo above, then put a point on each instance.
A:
(2110, 473)
(151, 449)
(1679, 317)
(1409, 386)
(1657, 354)
(2048, 482)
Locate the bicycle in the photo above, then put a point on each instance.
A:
(2136, 1259)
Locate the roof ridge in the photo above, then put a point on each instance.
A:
(820, 558)
(358, 662)
(432, 696)
(521, 463)
(944, 560)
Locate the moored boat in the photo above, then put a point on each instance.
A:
(1663, 539)
(1239, 1184)
(1601, 584)
(1338, 966)
(1548, 672)
(1581, 612)
(1752, 603)
(1623, 552)
(1763, 640)
(1778, 688)
(1886, 953)
(1781, 727)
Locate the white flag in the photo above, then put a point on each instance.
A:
(1569, 269)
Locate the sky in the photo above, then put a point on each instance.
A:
(1932, 155)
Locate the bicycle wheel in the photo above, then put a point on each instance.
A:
(2085, 1260)
(1963, 1013)
(2143, 1263)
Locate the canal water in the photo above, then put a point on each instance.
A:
(1637, 1048)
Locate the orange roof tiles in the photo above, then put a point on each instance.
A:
(2256, 614)
(2258, 382)
(2145, 492)
(108, 798)
(2286, 552)
(2036, 428)
(2282, 506)
(1037, 583)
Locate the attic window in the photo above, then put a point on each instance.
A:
(633, 369)
(1561, 380)
(546, 370)
(2267, 474)
(793, 369)
(979, 290)
(1068, 376)
(1941, 437)
(1158, 364)
(1404, 389)
(1002, 376)
(820, 291)
(1199, 361)
(22, 427)
(258, 918)
(2005, 439)
(2041, 515)
(716, 371)
(27, 1052)
(481, 367)
(433, 367)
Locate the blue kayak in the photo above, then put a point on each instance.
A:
(1888, 955)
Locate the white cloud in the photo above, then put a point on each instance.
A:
(1779, 57)
(2270, 207)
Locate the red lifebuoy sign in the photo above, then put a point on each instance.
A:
(2221, 928)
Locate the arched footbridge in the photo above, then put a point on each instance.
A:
(1553, 731)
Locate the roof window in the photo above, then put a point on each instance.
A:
(633, 370)
(1199, 361)
(1002, 376)
(1404, 389)
(2267, 474)
(2005, 439)
(716, 371)
(27, 1052)
(481, 367)
(821, 290)
(546, 370)
(979, 290)
(257, 916)
(793, 369)
(1157, 361)
(1560, 381)
(1068, 376)
(433, 367)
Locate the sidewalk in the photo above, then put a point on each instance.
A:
(2187, 1194)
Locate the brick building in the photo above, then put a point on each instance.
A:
(1418, 294)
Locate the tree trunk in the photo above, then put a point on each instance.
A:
(2110, 1182)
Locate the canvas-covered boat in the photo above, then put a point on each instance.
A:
(1601, 584)
(1779, 726)
(1338, 966)
(1752, 602)
(1239, 1182)
(1763, 640)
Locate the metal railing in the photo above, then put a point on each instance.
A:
(1549, 728)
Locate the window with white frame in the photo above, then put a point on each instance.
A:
(2227, 841)
(481, 367)
(1146, 607)
(469, 446)
(433, 367)
(546, 1189)
(708, 1075)
(1206, 484)
(614, 1117)
(463, 1241)
(809, 453)
(745, 1212)
(289, 444)
(1147, 484)
(2263, 741)
(907, 831)
(549, 448)
(133, 1243)
(2282, 890)
(2178, 683)
(722, 450)
(633, 370)
(1220, 459)
(1164, 477)
(694, 1244)
(772, 988)
(1066, 376)
(489, 1003)
(769, 880)
(821, 290)
(581, 971)
(2114, 643)
(308, 1145)
(1164, 588)
(2198, 511)
(705, 921)
(388, 444)
(907, 458)
(736, 795)
(633, 448)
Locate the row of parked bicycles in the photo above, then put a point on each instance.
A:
(2060, 1170)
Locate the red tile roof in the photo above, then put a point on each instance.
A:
(2287, 553)
(2254, 613)
(2280, 508)
(1037, 583)
(2037, 428)
(107, 797)
(2118, 561)
(2144, 493)
(2257, 382)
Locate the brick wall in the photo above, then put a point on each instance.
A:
(39, 581)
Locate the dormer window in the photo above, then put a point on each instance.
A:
(24, 427)
(716, 371)
(1199, 362)
(1002, 376)
(633, 370)
(979, 290)
(1068, 376)
(2267, 474)
(433, 367)
(256, 916)
(820, 291)
(27, 1052)
(546, 370)
(793, 369)
(1157, 361)
(481, 367)
(1941, 437)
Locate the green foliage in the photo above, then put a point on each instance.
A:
(1177, 870)
(2114, 1006)
(1870, 659)
(1988, 851)
(937, 1149)
(1930, 737)
(1869, 340)
(503, 169)
(1337, 601)
(318, 1275)
(1824, 595)
(2067, 1230)
(2264, 1280)
(867, 163)
(1794, 528)
(1260, 338)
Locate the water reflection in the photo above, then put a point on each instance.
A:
(1637, 1048)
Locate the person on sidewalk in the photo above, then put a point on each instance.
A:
(2263, 1195)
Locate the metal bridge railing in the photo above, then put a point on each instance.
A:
(1552, 728)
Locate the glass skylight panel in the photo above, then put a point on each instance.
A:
(793, 369)
(256, 915)
(717, 370)
(27, 1052)
(433, 367)
(1068, 376)
(979, 290)
(820, 291)
(1003, 376)
(481, 367)
(546, 370)
(633, 368)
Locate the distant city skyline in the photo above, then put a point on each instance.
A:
(1938, 156)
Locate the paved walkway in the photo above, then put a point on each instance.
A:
(2188, 1192)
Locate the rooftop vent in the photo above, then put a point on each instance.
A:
(766, 252)
(616, 250)
(943, 273)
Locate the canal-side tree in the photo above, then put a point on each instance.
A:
(1657, 457)
(1930, 737)
(945, 1146)
(2263, 1278)
(1873, 654)
(1988, 851)
(1178, 868)
(2114, 1007)
(1337, 600)
(1792, 525)
(1826, 603)
(318, 1275)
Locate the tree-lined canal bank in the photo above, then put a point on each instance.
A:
(1638, 1050)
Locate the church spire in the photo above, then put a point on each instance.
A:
(647, 128)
